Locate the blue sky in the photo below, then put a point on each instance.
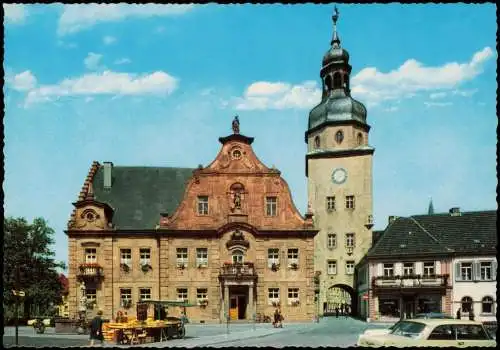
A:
(158, 84)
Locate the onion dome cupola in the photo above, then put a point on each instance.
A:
(336, 104)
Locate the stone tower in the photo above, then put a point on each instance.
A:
(339, 172)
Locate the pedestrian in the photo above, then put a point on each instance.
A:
(471, 315)
(346, 311)
(276, 318)
(280, 318)
(459, 314)
(337, 312)
(96, 329)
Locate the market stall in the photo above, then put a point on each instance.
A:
(153, 329)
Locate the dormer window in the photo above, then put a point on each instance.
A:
(339, 137)
(202, 205)
(337, 80)
(317, 142)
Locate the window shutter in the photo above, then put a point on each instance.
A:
(476, 271)
(494, 270)
(458, 274)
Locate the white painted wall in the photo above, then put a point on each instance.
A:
(474, 289)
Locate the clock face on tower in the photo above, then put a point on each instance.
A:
(339, 176)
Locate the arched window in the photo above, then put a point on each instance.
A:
(316, 142)
(360, 139)
(237, 256)
(339, 136)
(487, 305)
(466, 304)
(328, 82)
(337, 81)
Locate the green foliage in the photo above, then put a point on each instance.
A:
(27, 253)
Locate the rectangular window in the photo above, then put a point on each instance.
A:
(274, 294)
(331, 240)
(91, 295)
(271, 206)
(408, 269)
(388, 270)
(201, 293)
(126, 256)
(203, 205)
(202, 256)
(125, 296)
(145, 256)
(486, 268)
(182, 257)
(349, 202)
(182, 294)
(429, 268)
(273, 256)
(466, 271)
(145, 294)
(349, 267)
(90, 255)
(330, 203)
(293, 256)
(293, 294)
(332, 267)
(349, 240)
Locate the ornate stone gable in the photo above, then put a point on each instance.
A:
(236, 187)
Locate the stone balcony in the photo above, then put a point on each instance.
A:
(90, 271)
(238, 271)
(411, 281)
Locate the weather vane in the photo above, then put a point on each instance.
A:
(335, 17)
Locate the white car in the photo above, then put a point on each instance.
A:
(431, 332)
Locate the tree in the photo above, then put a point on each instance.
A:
(27, 252)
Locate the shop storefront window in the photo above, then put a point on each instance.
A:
(389, 307)
(429, 303)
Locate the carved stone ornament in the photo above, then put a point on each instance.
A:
(237, 239)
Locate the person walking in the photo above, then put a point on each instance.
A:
(276, 318)
(459, 314)
(96, 329)
(346, 311)
(280, 318)
(337, 312)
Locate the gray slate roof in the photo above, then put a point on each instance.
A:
(139, 194)
(469, 233)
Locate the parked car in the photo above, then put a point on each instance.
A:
(380, 331)
(431, 332)
(433, 315)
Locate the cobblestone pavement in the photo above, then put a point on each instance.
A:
(330, 331)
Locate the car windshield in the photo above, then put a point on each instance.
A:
(433, 315)
(408, 329)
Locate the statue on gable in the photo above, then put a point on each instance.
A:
(236, 125)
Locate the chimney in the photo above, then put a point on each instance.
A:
(108, 166)
(392, 218)
(455, 211)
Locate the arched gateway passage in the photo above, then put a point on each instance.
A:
(339, 296)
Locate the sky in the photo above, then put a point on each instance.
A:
(156, 85)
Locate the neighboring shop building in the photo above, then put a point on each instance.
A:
(411, 266)
(225, 237)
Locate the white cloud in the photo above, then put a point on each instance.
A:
(15, 13)
(123, 60)
(105, 83)
(371, 86)
(392, 109)
(78, 17)
(66, 45)
(92, 61)
(108, 40)
(437, 104)
(22, 82)
(267, 95)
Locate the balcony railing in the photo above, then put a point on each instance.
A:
(411, 281)
(90, 270)
(238, 270)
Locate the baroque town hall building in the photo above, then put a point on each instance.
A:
(226, 237)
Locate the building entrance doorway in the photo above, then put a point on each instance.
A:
(238, 302)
